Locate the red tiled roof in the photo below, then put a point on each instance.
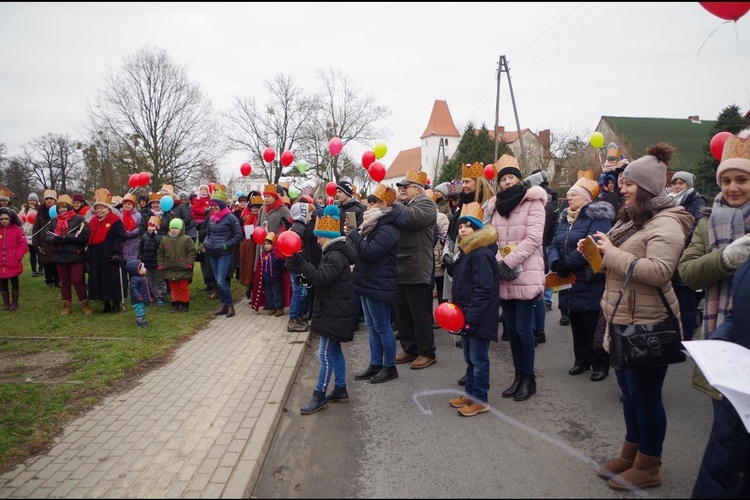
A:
(407, 159)
(508, 137)
(441, 122)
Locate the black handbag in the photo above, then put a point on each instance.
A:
(638, 346)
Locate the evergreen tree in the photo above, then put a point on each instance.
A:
(729, 120)
(475, 145)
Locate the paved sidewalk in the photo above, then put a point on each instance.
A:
(198, 427)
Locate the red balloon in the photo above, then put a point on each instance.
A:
(211, 186)
(449, 316)
(729, 11)
(31, 217)
(717, 144)
(335, 146)
(331, 188)
(288, 243)
(246, 169)
(269, 154)
(330, 200)
(376, 171)
(259, 234)
(144, 178)
(367, 158)
(133, 181)
(489, 171)
(287, 157)
(22, 217)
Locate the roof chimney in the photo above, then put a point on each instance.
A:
(694, 119)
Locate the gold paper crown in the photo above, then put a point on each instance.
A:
(154, 197)
(430, 194)
(5, 192)
(736, 147)
(476, 170)
(454, 187)
(414, 176)
(270, 237)
(220, 192)
(154, 220)
(50, 193)
(256, 200)
(505, 161)
(328, 224)
(64, 198)
(613, 152)
(129, 197)
(269, 188)
(385, 194)
(102, 195)
(167, 187)
(589, 185)
(115, 200)
(472, 209)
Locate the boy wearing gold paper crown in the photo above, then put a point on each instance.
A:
(272, 266)
(333, 316)
(476, 280)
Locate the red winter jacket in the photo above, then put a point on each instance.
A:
(13, 247)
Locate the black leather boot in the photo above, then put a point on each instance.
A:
(527, 388)
(513, 389)
(107, 307)
(6, 301)
(176, 306)
(369, 372)
(338, 395)
(222, 310)
(384, 375)
(230, 310)
(540, 337)
(317, 403)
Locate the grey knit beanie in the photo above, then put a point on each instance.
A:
(687, 177)
(649, 172)
(33, 197)
(537, 178)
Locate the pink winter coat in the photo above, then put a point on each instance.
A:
(13, 247)
(525, 229)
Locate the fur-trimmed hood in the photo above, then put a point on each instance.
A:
(482, 238)
(596, 210)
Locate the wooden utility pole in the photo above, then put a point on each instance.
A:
(504, 69)
(497, 108)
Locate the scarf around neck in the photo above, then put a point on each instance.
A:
(370, 219)
(681, 197)
(98, 228)
(62, 222)
(725, 224)
(220, 214)
(509, 198)
(621, 231)
(127, 220)
(573, 214)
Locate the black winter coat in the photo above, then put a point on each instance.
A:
(588, 288)
(71, 247)
(353, 205)
(107, 280)
(148, 250)
(333, 308)
(725, 469)
(476, 282)
(375, 274)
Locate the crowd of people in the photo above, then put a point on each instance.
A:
(384, 260)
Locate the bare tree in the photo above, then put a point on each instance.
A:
(572, 153)
(279, 124)
(163, 122)
(347, 113)
(53, 160)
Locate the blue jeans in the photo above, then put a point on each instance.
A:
(382, 339)
(221, 265)
(688, 300)
(518, 319)
(332, 361)
(547, 297)
(539, 316)
(298, 307)
(477, 356)
(274, 299)
(645, 418)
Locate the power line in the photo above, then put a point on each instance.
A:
(548, 30)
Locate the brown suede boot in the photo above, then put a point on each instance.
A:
(230, 310)
(13, 301)
(222, 310)
(215, 291)
(279, 313)
(643, 474)
(6, 301)
(86, 309)
(621, 463)
(66, 308)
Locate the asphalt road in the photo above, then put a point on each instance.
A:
(401, 439)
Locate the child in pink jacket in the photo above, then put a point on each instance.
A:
(12, 249)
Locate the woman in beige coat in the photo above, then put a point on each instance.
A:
(651, 229)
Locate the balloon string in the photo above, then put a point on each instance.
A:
(714, 31)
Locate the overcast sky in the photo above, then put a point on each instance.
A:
(570, 63)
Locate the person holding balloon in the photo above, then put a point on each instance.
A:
(28, 216)
(249, 218)
(44, 249)
(476, 281)
(130, 219)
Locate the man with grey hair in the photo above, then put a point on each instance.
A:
(415, 262)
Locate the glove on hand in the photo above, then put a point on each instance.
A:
(448, 264)
(736, 253)
(224, 247)
(560, 268)
(506, 273)
(190, 266)
(468, 329)
(114, 258)
(159, 268)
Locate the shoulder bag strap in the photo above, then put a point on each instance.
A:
(629, 275)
